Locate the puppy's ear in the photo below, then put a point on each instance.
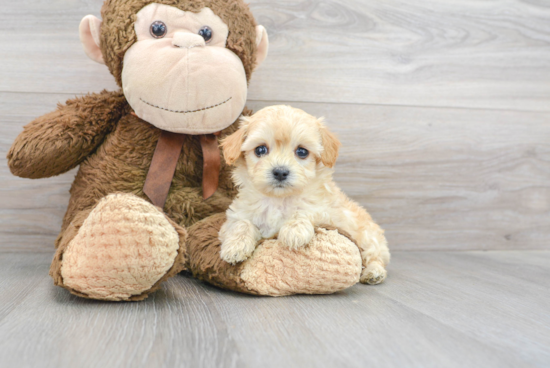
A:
(331, 145)
(232, 145)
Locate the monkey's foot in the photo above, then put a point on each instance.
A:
(122, 251)
(329, 263)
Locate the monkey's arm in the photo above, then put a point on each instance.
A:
(59, 141)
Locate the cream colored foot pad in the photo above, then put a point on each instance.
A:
(330, 263)
(123, 248)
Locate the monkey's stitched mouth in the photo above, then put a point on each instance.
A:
(184, 111)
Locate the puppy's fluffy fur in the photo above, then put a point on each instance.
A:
(285, 195)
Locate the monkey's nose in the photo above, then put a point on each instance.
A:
(187, 40)
(281, 173)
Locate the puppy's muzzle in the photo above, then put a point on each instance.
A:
(281, 174)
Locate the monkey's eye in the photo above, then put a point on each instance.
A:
(158, 29)
(206, 33)
(302, 153)
(261, 151)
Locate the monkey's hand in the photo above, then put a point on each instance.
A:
(59, 141)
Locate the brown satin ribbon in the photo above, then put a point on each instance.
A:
(165, 159)
(212, 164)
(163, 167)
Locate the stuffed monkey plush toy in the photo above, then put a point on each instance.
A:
(150, 195)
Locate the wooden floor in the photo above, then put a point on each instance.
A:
(437, 309)
(443, 108)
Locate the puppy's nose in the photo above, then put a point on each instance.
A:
(281, 173)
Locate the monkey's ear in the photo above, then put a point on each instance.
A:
(262, 45)
(331, 145)
(90, 29)
(232, 145)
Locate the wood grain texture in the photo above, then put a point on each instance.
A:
(470, 53)
(483, 54)
(468, 309)
(433, 178)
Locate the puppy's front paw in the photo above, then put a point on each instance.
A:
(374, 274)
(236, 251)
(296, 234)
(239, 239)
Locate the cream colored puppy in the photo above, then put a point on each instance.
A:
(284, 159)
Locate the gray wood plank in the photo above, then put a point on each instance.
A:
(467, 309)
(434, 178)
(480, 295)
(357, 328)
(20, 273)
(490, 54)
(41, 50)
(48, 327)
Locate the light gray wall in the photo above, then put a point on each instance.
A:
(443, 108)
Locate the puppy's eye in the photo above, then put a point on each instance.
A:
(261, 151)
(206, 33)
(158, 29)
(302, 153)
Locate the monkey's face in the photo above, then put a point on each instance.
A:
(179, 75)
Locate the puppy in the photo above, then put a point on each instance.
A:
(284, 159)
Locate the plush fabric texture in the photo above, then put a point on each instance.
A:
(90, 32)
(122, 162)
(114, 150)
(328, 264)
(121, 250)
(144, 216)
(118, 34)
(203, 253)
(214, 90)
(59, 141)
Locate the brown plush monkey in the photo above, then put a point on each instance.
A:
(148, 159)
